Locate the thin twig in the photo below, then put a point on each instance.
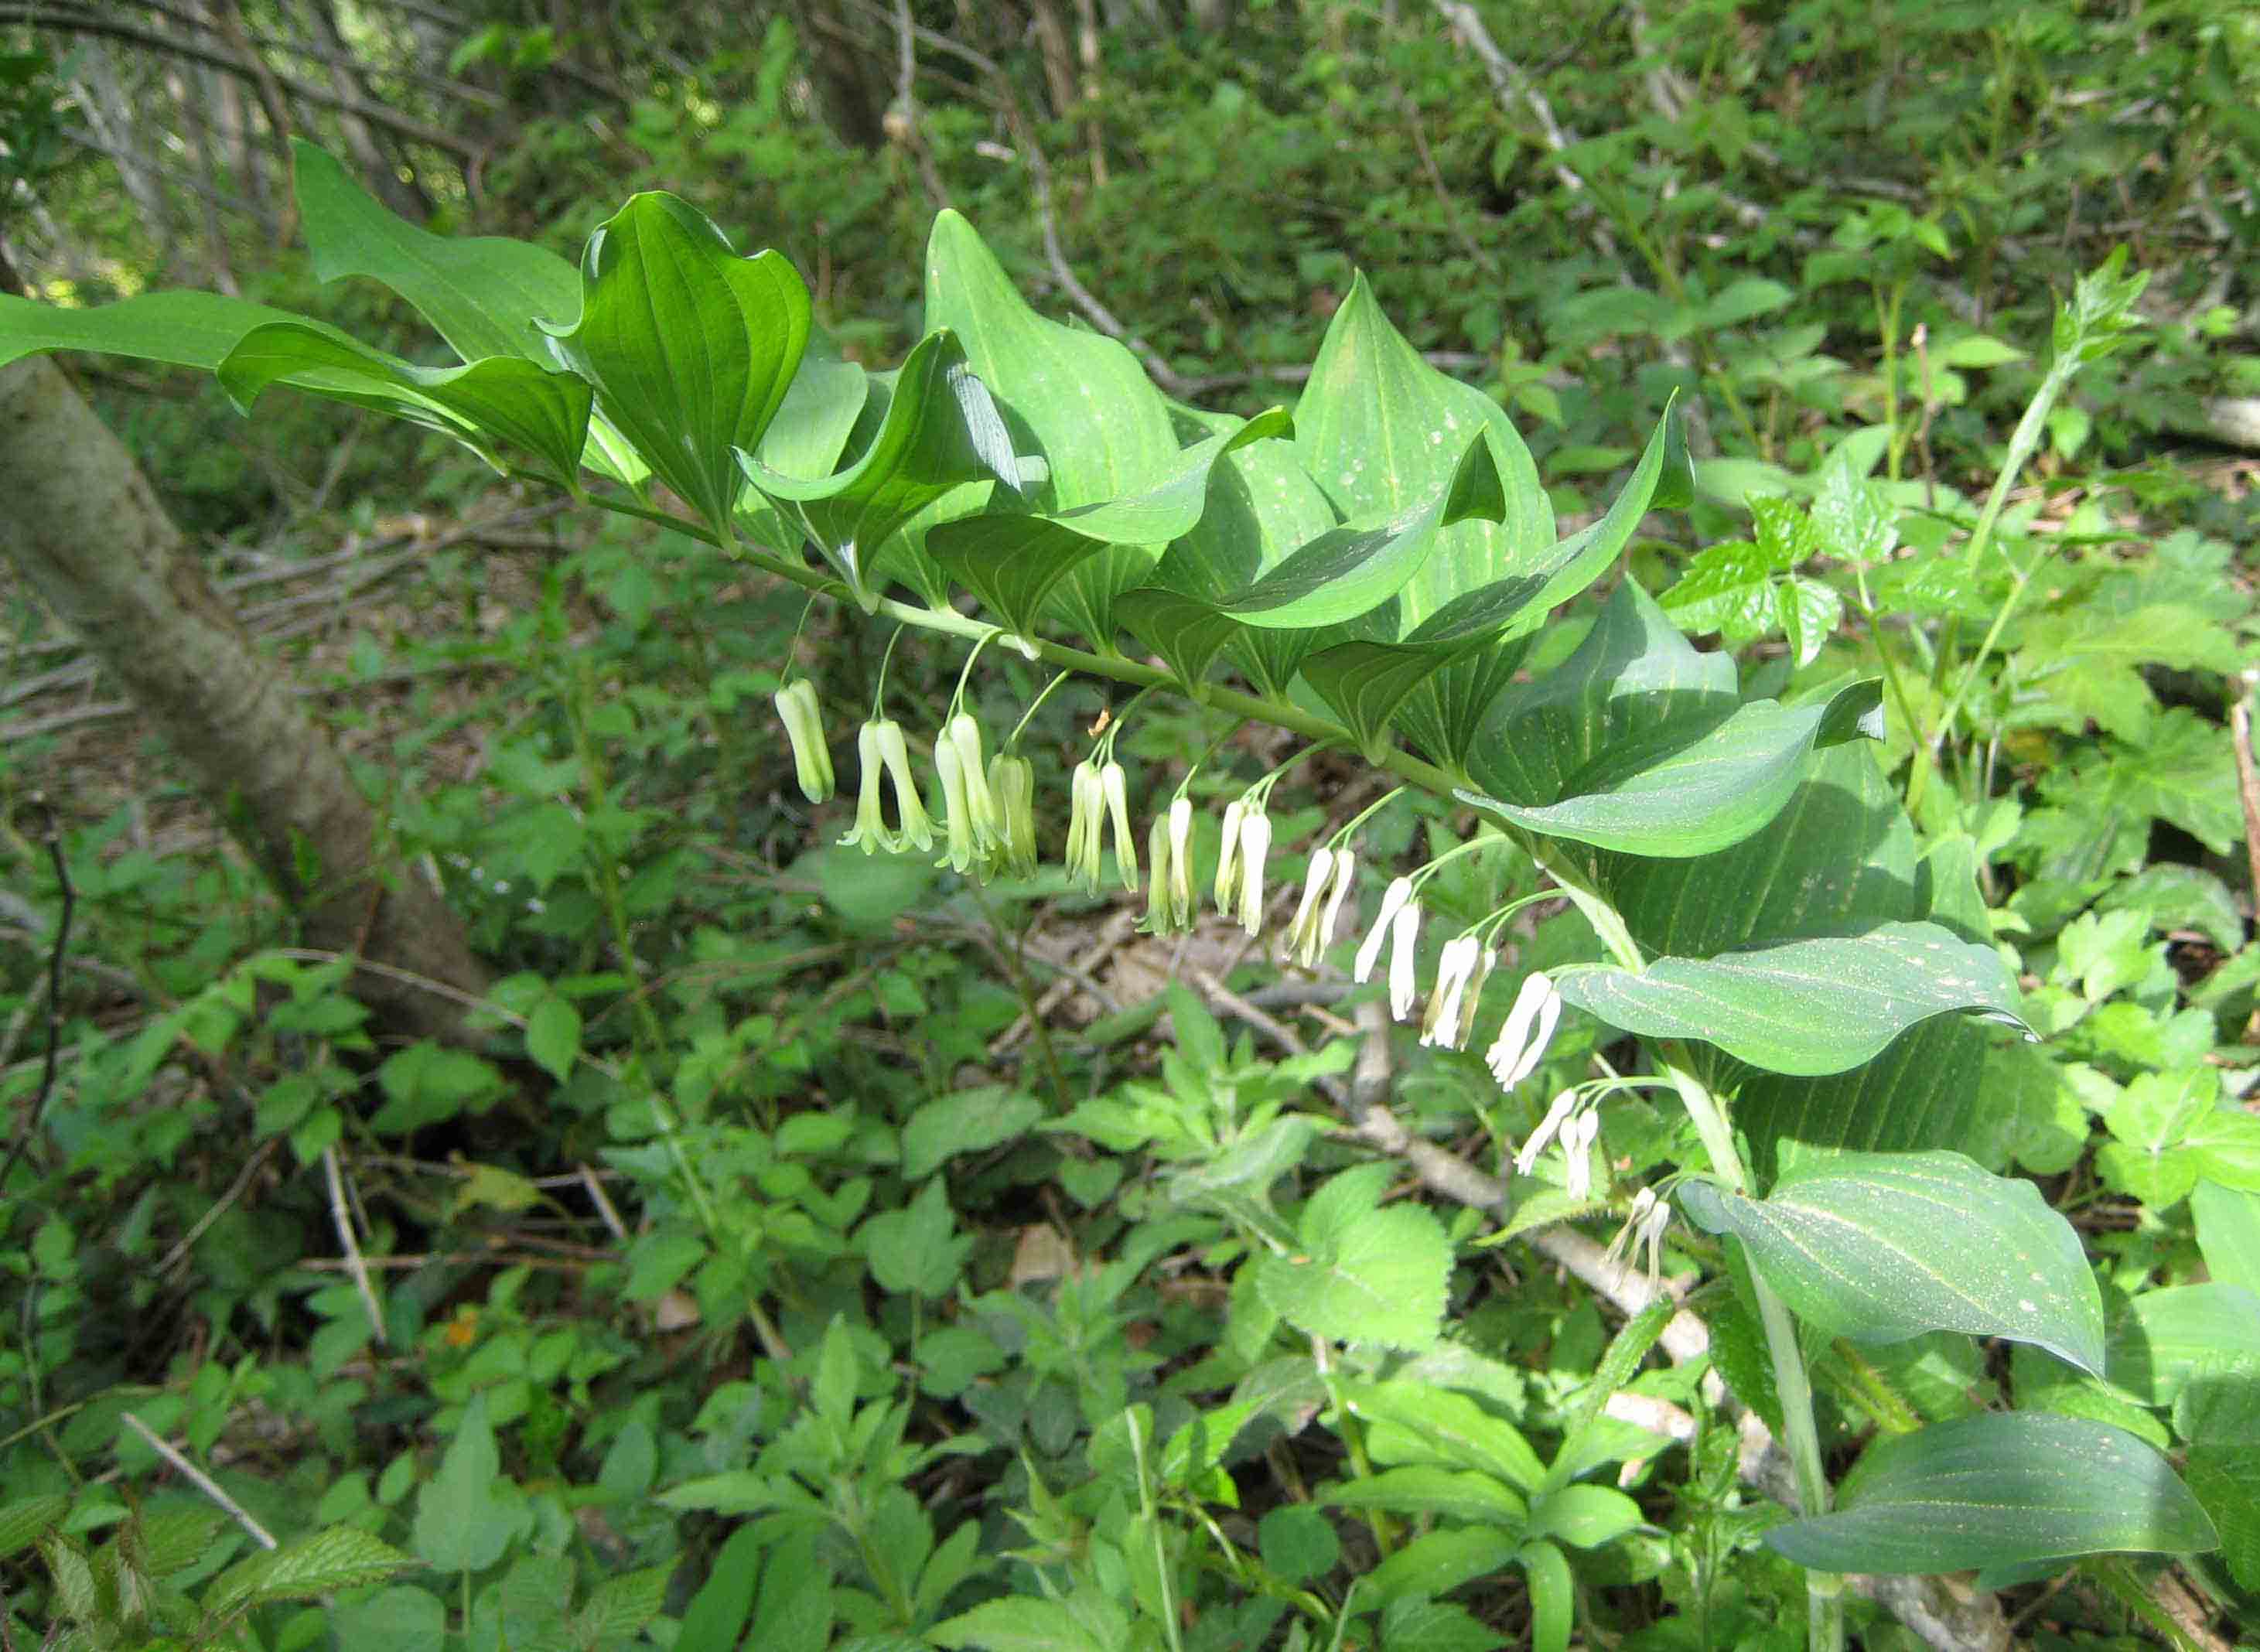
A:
(180, 1251)
(603, 1204)
(355, 1264)
(202, 1481)
(51, 830)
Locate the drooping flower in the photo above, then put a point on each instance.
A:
(1454, 973)
(870, 833)
(1012, 785)
(803, 726)
(1489, 963)
(964, 734)
(1227, 862)
(1653, 1226)
(1255, 845)
(961, 852)
(1368, 953)
(1086, 824)
(1556, 1116)
(1620, 1247)
(1302, 933)
(916, 829)
(1403, 959)
(1118, 811)
(1521, 1042)
(1577, 1152)
(1169, 892)
(1345, 874)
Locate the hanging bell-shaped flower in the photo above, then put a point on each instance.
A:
(1393, 900)
(910, 808)
(1116, 789)
(803, 726)
(1255, 845)
(1012, 787)
(870, 833)
(1086, 824)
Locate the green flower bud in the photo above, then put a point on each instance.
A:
(1118, 810)
(910, 808)
(1086, 824)
(962, 852)
(803, 726)
(1012, 787)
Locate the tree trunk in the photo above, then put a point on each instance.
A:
(86, 532)
(840, 73)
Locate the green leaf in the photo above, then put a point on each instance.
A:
(1424, 1489)
(715, 1619)
(1806, 1006)
(619, 1607)
(2162, 1338)
(938, 431)
(912, 1249)
(1361, 1274)
(691, 348)
(396, 1619)
(27, 1520)
(461, 1524)
(1553, 1597)
(342, 1557)
(502, 398)
(182, 329)
(1880, 1248)
(1418, 1423)
(553, 1036)
(1584, 1516)
(486, 295)
(1027, 1624)
(1412, 1624)
(1436, 1564)
(969, 1121)
(1668, 795)
(2228, 1235)
(1349, 570)
(1998, 1489)
(820, 410)
(1015, 563)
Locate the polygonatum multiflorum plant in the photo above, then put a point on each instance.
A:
(1367, 570)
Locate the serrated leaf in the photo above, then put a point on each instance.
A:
(1806, 1006)
(1361, 1273)
(939, 431)
(1027, 1624)
(343, 1557)
(24, 1521)
(620, 1605)
(462, 1525)
(178, 1539)
(691, 348)
(1885, 1247)
(1998, 1489)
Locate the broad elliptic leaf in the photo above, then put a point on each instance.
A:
(461, 1523)
(1351, 570)
(1666, 794)
(1885, 1247)
(1013, 564)
(820, 410)
(691, 348)
(1361, 1273)
(940, 430)
(2000, 1489)
(485, 295)
(2162, 1338)
(1806, 1006)
(182, 329)
(503, 397)
(1080, 401)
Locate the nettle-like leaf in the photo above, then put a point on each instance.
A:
(342, 1557)
(1015, 563)
(936, 430)
(2000, 1489)
(691, 348)
(1884, 1246)
(542, 410)
(1361, 1273)
(1823, 1005)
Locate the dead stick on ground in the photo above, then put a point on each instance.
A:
(354, 1264)
(202, 1481)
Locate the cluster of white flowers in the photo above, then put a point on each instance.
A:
(1643, 1230)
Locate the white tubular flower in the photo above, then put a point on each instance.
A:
(1368, 953)
(870, 833)
(1653, 1226)
(916, 829)
(1475, 997)
(1086, 824)
(1118, 810)
(1556, 1116)
(1455, 969)
(1157, 921)
(1012, 785)
(803, 726)
(1181, 861)
(1227, 862)
(1302, 933)
(1577, 1152)
(1345, 874)
(1403, 959)
(964, 735)
(1521, 1042)
(959, 854)
(1616, 1257)
(1255, 845)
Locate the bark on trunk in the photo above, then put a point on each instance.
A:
(87, 533)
